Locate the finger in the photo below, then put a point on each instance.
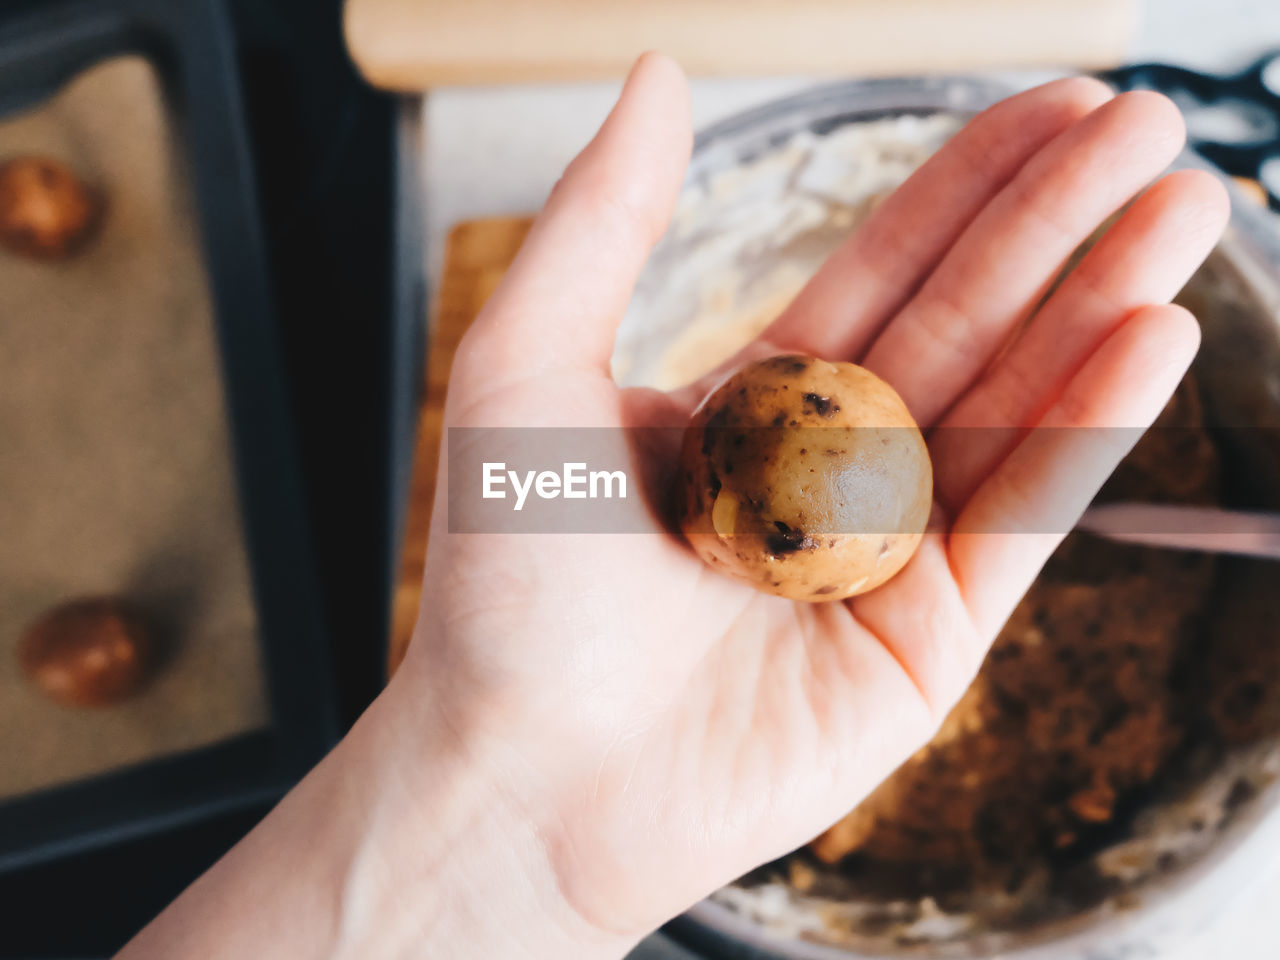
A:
(1002, 265)
(872, 275)
(876, 270)
(561, 300)
(1145, 258)
(920, 618)
(1021, 512)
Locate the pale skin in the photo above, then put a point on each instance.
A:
(591, 732)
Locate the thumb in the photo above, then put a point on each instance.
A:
(560, 303)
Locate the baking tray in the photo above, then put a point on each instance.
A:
(189, 45)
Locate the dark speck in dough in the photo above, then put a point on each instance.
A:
(717, 421)
(792, 365)
(822, 406)
(788, 540)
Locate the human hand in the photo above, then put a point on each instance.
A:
(664, 729)
(591, 731)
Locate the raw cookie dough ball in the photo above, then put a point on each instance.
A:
(87, 653)
(805, 478)
(46, 212)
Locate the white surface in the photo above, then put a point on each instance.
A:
(1219, 35)
(499, 151)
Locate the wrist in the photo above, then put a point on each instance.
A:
(453, 858)
(401, 843)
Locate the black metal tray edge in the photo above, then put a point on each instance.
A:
(190, 46)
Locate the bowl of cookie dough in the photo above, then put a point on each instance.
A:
(1109, 782)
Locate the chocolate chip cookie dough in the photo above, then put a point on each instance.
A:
(805, 478)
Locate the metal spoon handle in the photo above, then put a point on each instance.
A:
(1209, 529)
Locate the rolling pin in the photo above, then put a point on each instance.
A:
(413, 45)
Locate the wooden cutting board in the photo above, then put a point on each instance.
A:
(476, 256)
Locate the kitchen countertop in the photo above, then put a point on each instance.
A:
(498, 150)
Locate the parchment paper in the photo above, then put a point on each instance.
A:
(115, 467)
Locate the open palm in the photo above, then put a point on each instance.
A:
(668, 728)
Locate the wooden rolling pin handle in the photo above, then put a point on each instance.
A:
(412, 45)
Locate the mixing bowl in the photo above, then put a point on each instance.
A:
(770, 193)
